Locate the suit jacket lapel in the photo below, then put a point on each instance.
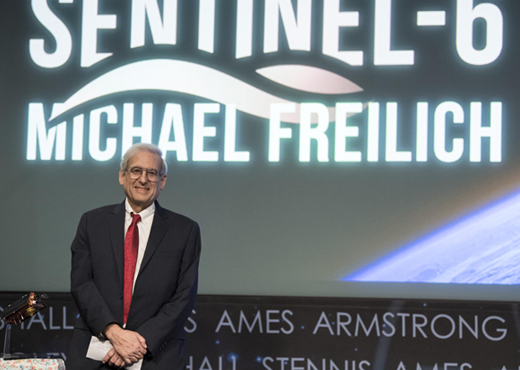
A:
(116, 226)
(159, 227)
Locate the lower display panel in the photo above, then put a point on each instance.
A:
(312, 333)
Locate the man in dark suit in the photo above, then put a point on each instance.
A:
(134, 273)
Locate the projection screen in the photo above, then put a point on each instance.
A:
(361, 148)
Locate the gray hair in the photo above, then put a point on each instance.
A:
(143, 147)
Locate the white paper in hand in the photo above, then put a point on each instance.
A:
(98, 349)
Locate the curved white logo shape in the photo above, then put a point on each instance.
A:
(179, 76)
(310, 79)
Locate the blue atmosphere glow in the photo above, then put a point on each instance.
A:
(481, 248)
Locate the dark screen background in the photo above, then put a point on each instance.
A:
(286, 228)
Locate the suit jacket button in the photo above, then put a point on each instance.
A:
(120, 296)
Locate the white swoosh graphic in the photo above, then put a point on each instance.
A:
(310, 79)
(180, 76)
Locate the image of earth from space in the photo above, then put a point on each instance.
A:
(482, 248)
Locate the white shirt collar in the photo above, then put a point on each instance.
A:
(146, 214)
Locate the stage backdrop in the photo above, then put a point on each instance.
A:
(291, 333)
(328, 148)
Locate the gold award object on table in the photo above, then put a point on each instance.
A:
(16, 313)
(27, 306)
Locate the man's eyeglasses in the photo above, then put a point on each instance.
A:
(151, 173)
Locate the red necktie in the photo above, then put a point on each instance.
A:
(131, 249)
